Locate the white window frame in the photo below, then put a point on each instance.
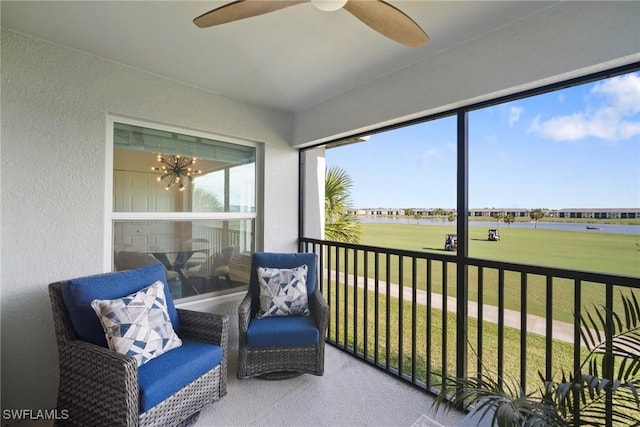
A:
(111, 216)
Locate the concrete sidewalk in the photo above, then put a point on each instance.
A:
(562, 331)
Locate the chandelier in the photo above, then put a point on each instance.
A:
(176, 170)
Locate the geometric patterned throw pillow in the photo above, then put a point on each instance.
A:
(283, 292)
(138, 325)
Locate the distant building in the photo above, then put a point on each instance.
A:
(573, 213)
(601, 213)
(493, 212)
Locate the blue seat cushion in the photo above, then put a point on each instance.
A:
(163, 376)
(78, 294)
(283, 331)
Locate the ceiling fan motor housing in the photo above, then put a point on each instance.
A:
(329, 5)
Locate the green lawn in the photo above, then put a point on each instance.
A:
(425, 344)
(599, 252)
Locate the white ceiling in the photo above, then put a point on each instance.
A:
(291, 59)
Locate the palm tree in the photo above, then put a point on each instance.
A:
(409, 213)
(206, 201)
(499, 217)
(340, 225)
(536, 215)
(509, 219)
(439, 212)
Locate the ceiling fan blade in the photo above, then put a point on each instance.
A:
(242, 9)
(388, 21)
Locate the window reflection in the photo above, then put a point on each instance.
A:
(224, 182)
(187, 202)
(200, 256)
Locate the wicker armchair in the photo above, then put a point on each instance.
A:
(100, 387)
(282, 344)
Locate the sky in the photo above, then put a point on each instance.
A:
(574, 148)
(241, 187)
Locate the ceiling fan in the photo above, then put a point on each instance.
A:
(377, 14)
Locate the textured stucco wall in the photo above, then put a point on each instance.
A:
(55, 103)
(568, 39)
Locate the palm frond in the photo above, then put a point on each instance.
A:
(340, 226)
(345, 228)
(337, 190)
(504, 402)
(591, 387)
(584, 397)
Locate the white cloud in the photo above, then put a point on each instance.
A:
(514, 115)
(565, 128)
(431, 153)
(619, 98)
(629, 129)
(623, 93)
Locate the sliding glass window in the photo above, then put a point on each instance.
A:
(186, 201)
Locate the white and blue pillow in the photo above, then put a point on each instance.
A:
(138, 325)
(283, 291)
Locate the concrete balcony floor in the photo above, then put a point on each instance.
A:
(350, 393)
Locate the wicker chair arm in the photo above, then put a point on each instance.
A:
(211, 328)
(319, 309)
(204, 327)
(102, 381)
(100, 355)
(244, 314)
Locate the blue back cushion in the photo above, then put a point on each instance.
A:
(78, 294)
(282, 260)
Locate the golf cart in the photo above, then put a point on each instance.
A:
(494, 236)
(451, 242)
